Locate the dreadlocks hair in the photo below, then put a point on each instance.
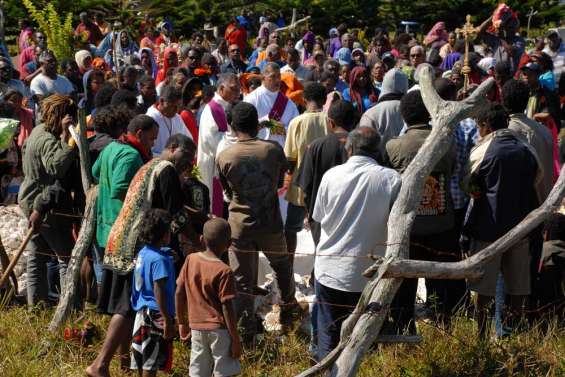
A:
(54, 108)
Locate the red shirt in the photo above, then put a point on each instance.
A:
(190, 123)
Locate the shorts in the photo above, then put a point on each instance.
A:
(115, 294)
(294, 218)
(514, 265)
(149, 350)
(211, 354)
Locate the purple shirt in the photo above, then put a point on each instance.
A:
(335, 45)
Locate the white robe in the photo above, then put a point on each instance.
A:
(209, 137)
(167, 128)
(263, 100)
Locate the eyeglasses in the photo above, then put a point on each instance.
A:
(416, 55)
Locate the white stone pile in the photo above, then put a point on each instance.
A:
(13, 228)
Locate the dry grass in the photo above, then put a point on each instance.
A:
(27, 349)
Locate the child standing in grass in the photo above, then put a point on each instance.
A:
(153, 297)
(204, 301)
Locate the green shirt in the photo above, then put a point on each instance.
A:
(113, 170)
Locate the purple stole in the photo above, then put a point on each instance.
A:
(278, 108)
(219, 116)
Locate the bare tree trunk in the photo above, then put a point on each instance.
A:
(362, 328)
(82, 245)
(86, 234)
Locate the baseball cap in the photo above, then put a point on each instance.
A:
(531, 66)
(551, 33)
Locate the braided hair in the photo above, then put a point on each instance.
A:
(54, 108)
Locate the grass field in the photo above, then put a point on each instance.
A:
(27, 349)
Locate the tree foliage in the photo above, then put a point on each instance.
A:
(58, 30)
(189, 15)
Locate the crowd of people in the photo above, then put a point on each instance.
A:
(209, 150)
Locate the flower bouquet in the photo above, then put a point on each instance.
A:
(275, 127)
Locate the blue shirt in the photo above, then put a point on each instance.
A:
(466, 136)
(151, 265)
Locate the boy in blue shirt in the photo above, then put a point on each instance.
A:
(153, 297)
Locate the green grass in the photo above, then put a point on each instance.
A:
(27, 349)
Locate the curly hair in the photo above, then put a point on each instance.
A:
(155, 225)
(112, 120)
(54, 108)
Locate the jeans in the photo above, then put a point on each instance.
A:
(53, 239)
(97, 258)
(330, 318)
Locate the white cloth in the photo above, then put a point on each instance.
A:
(209, 137)
(263, 100)
(167, 128)
(352, 206)
(42, 85)
(299, 72)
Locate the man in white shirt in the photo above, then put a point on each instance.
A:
(555, 48)
(213, 128)
(271, 103)
(352, 206)
(293, 65)
(165, 113)
(48, 81)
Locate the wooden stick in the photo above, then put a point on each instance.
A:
(4, 262)
(16, 257)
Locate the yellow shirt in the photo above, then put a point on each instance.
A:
(302, 130)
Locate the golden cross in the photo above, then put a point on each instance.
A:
(467, 30)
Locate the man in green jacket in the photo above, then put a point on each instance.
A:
(45, 194)
(114, 170)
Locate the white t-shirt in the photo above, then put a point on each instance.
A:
(352, 206)
(167, 128)
(42, 85)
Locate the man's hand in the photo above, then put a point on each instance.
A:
(235, 347)
(65, 123)
(168, 329)
(184, 333)
(35, 221)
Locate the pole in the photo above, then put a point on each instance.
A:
(530, 15)
(16, 257)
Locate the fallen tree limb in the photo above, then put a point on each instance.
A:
(361, 329)
(82, 245)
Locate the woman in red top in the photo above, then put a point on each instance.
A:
(24, 115)
(170, 60)
(191, 94)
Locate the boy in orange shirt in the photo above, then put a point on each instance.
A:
(204, 304)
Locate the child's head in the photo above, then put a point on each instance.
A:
(216, 235)
(155, 228)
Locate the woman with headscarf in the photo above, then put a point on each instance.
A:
(191, 95)
(92, 81)
(437, 37)
(148, 62)
(83, 58)
(125, 46)
(170, 60)
(360, 92)
(306, 46)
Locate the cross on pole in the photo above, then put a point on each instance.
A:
(530, 15)
(467, 30)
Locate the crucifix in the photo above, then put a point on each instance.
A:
(467, 30)
(530, 15)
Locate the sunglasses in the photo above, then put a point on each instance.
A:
(416, 55)
(193, 57)
(237, 50)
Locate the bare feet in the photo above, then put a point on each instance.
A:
(93, 371)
